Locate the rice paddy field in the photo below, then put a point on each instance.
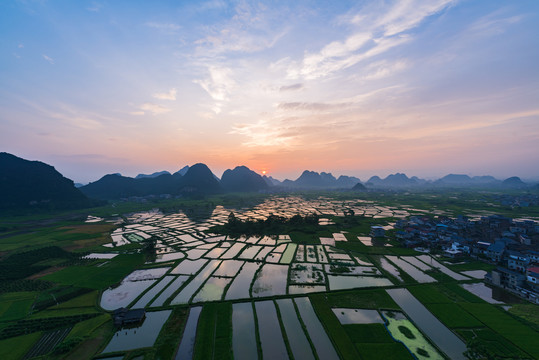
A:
(330, 292)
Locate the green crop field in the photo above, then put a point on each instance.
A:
(94, 277)
(513, 330)
(86, 300)
(429, 294)
(368, 333)
(86, 327)
(361, 299)
(14, 348)
(214, 332)
(374, 351)
(528, 312)
(14, 306)
(335, 330)
(452, 316)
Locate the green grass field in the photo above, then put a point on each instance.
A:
(67, 235)
(528, 312)
(14, 306)
(94, 277)
(344, 346)
(84, 328)
(513, 330)
(87, 300)
(361, 299)
(452, 316)
(374, 351)
(368, 333)
(429, 294)
(15, 348)
(214, 332)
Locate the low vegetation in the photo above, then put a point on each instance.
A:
(273, 225)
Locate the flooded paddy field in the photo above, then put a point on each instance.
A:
(271, 285)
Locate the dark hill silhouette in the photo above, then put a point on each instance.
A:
(28, 185)
(359, 187)
(182, 171)
(271, 181)
(154, 175)
(310, 179)
(111, 186)
(199, 180)
(398, 179)
(454, 179)
(374, 180)
(242, 179)
(347, 181)
(514, 182)
(392, 180)
(115, 186)
(314, 180)
(485, 179)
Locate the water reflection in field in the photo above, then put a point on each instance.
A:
(139, 337)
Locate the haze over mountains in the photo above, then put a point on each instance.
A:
(32, 183)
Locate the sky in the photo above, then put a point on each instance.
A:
(362, 88)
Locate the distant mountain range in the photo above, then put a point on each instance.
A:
(33, 185)
(196, 180)
(26, 183)
(243, 179)
(451, 180)
(313, 180)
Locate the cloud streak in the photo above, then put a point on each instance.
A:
(377, 33)
(49, 59)
(171, 95)
(153, 108)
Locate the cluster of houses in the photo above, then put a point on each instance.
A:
(510, 244)
(515, 201)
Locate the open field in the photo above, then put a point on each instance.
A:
(17, 305)
(97, 277)
(66, 287)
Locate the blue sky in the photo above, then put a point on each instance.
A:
(357, 88)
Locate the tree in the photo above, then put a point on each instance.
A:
(149, 248)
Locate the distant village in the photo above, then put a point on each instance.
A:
(508, 243)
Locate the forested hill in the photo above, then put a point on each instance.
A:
(33, 185)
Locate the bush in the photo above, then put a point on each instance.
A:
(67, 345)
(406, 332)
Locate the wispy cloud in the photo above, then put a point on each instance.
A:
(164, 27)
(251, 29)
(218, 84)
(154, 109)
(405, 15)
(384, 68)
(263, 133)
(493, 24)
(312, 106)
(95, 7)
(211, 5)
(70, 115)
(378, 31)
(293, 87)
(48, 58)
(171, 95)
